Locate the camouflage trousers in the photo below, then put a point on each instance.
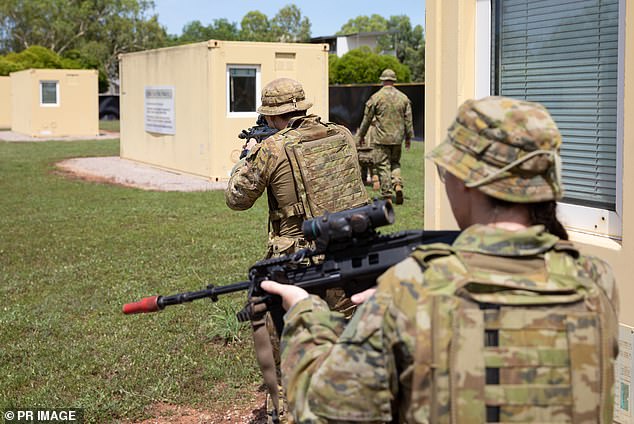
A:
(366, 162)
(388, 164)
(267, 341)
(337, 301)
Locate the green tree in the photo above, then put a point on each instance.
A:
(219, 29)
(364, 23)
(255, 26)
(362, 65)
(38, 57)
(61, 25)
(289, 26)
(406, 42)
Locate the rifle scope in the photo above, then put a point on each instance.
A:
(345, 225)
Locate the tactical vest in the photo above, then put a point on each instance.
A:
(325, 170)
(514, 340)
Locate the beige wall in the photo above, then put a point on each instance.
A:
(5, 102)
(450, 79)
(21, 108)
(77, 112)
(205, 141)
(186, 69)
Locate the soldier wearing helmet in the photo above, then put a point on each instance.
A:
(510, 323)
(283, 165)
(387, 120)
(307, 168)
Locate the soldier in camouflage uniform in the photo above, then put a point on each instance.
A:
(510, 323)
(388, 114)
(307, 168)
(366, 162)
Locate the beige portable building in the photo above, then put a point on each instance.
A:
(5, 102)
(183, 107)
(55, 102)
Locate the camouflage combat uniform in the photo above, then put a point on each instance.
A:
(388, 116)
(269, 166)
(501, 326)
(380, 367)
(366, 159)
(308, 168)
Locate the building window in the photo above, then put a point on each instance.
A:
(243, 85)
(568, 56)
(49, 93)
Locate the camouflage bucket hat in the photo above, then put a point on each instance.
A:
(507, 148)
(281, 96)
(388, 75)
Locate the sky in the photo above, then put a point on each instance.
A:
(326, 16)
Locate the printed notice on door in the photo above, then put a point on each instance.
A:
(159, 110)
(623, 373)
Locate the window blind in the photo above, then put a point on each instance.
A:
(564, 54)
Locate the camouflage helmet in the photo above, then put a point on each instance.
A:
(283, 95)
(388, 75)
(507, 148)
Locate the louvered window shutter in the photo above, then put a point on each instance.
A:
(564, 54)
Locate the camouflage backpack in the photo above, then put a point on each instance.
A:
(325, 168)
(513, 340)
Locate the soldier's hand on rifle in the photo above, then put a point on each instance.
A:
(290, 294)
(249, 144)
(361, 297)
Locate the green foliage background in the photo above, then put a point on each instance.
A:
(38, 57)
(362, 65)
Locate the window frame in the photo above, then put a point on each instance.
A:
(583, 219)
(57, 100)
(258, 89)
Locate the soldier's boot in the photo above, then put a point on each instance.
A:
(277, 417)
(376, 185)
(399, 194)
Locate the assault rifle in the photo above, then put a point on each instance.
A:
(349, 253)
(258, 132)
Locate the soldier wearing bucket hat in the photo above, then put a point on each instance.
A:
(510, 323)
(282, 165)
(307, 168)
(387, 121)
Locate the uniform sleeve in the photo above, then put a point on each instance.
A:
(331, 374)
(250, 177)
(601, 272)
(368, 114)
(409, 127)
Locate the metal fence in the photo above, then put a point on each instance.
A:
(347, 103)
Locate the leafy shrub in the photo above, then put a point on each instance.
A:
(362, 65)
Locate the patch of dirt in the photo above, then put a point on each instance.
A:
(248, 412)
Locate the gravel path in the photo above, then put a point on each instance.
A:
(17, 137)
(115, 170)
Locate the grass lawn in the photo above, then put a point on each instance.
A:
(73, 252)
(109, 125)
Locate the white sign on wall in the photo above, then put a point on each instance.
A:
(623, 372)
(159, 109)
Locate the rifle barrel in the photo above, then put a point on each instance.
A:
(156, 303)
